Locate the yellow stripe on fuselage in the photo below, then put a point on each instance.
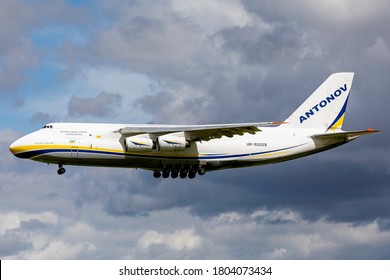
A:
(268, 155)
(40, 147)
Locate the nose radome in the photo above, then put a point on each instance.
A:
(15, 147)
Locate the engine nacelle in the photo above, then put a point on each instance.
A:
(138, 144)
(168, 143)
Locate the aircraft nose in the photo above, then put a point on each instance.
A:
(15, 148)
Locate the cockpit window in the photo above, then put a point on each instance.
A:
(48, 126)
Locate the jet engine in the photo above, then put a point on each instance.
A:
(138, 144)
(170, 143)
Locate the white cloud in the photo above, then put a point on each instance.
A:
(212, 16)
(297, 239)
(58, 250)
(348, 11)
(174, 233)
(343, 13)
(13, 220)
(283, 215)
(178, 240)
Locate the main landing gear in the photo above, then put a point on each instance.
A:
(183, 172)
(61, 170)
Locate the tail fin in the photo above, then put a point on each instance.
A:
(325, 108)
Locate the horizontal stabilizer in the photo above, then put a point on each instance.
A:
(347, 135)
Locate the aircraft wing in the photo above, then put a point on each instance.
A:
(347, 135)
(197, 132)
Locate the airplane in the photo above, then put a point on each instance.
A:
(188, 150)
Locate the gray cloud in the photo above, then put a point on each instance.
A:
(283, 42)
(17, 102)
(173, 107)
(15, 61)
(12, 244)
(42, 118)
(103, 105)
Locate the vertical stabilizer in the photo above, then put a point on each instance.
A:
(325, 108)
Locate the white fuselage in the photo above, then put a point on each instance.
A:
(102, 145)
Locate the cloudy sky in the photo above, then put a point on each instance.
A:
(195, 62)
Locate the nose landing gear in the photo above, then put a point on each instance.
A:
(61, 170)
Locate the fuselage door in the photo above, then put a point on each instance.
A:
(74, 152)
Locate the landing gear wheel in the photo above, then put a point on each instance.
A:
(156, 174)
(192, 174)
(61, 171)
(165, 173)
(174, 173)
(183, 174)
(201, 171)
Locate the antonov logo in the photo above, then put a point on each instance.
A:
(322, 104)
